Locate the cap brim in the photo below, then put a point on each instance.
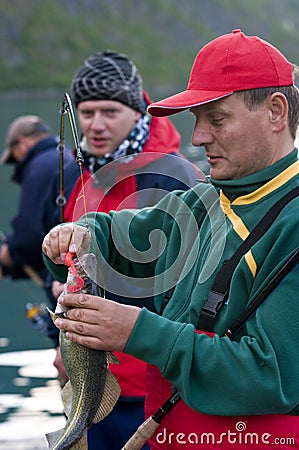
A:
(184, 100)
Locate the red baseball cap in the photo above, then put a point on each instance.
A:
(232, 62)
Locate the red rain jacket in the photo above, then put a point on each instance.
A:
(127, 185)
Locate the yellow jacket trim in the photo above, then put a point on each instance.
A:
(238, 225)
(269, 187)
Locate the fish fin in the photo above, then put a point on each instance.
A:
(110, 396)
(53, 315)
(111, 358)
(67, 396)
(57, 314)
(53, 437)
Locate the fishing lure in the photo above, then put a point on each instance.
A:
(75, 283)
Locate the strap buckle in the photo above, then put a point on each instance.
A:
(209, 311)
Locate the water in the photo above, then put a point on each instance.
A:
(30, 404)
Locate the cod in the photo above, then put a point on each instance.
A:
(92, 390)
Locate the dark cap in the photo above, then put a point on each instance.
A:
(29, 125)
(108, 76)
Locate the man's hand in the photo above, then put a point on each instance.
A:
(64, 238)
(57, 288)
(96, 322)
(5, 258)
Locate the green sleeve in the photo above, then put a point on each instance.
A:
(58, 271)
(258, 374)
(129, 241)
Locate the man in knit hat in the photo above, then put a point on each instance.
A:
(224, 264)
(130, 160)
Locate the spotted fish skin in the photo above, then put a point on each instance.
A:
(92, 390)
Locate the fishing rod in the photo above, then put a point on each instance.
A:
(66, 108)
(146, 430)
(61, 200)
(69, 109)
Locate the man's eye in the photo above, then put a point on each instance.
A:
(217, 120)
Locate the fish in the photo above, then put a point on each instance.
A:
(92, 390)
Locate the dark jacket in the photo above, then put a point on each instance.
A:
(37, 210)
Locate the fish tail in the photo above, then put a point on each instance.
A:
(54, 444)
(53, 437)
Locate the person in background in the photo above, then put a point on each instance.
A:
(32, 148)
(237, 375)
(130, 160)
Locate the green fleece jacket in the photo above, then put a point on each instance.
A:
(182, 242)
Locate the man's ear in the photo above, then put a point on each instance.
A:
(137, 116)
(279, 109)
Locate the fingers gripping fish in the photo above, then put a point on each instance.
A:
(92, 390)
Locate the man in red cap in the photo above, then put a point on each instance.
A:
(222, 258)
(129, 160)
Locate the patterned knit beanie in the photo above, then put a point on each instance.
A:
(108, 76)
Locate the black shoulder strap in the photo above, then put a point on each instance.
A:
(252, 307)
(218, 293)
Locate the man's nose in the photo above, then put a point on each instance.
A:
(98, 121)
(201, 135)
